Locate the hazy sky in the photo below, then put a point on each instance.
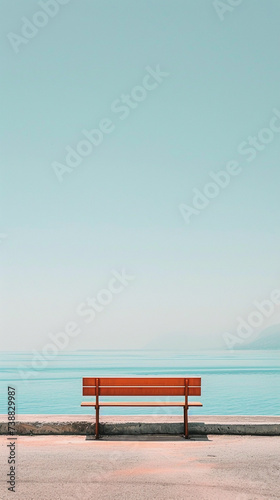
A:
(217, 85)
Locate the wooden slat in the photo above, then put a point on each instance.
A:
(141, 381)
(141, 391)
(88, 391)
(149, 403)
(194, 391)
(142, 403)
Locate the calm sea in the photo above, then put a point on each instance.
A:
(233, 383)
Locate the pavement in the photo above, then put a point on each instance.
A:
(213, 467)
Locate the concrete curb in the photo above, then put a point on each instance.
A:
(194, 429)
(139, 425)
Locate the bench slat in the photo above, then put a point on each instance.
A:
(141, 381)
(141, 391)
(142, 403)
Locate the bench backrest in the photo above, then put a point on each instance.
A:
(141, 386)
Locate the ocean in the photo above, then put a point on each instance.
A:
(233, 382)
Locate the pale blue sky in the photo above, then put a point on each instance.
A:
(119, 208)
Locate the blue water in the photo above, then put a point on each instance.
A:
(233, 383)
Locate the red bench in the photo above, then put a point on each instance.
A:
(139, 386)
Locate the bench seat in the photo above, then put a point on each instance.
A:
(141, 403)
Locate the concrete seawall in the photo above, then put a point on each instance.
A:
(137, 425)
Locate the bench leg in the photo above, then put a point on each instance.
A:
(186, 430)
(97, 423)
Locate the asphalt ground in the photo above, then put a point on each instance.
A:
(143, 467)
